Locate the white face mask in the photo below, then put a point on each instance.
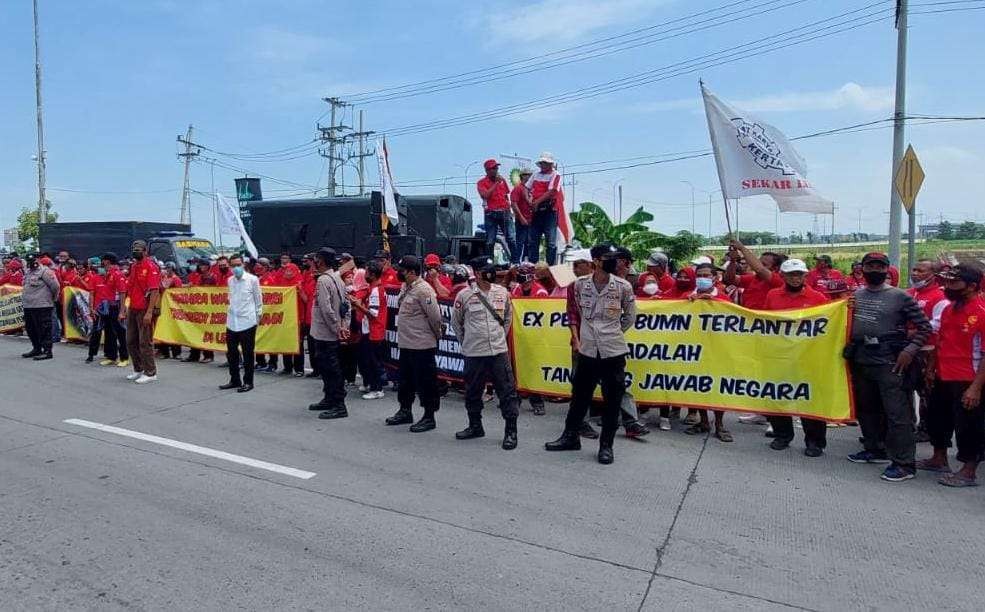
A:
(650, 288)
(919, 284)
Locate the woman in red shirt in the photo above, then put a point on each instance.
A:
(371, 305)
(705, 289)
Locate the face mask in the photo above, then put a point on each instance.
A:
(401, 276)
(609, 265)
(101, 270)
(704, 284)
(138, 255)
(223, 267)
(920, 284)
(650, 288)
(683, 283)
(238, 271)
(954, 295)
(875, 278)
(793, 289)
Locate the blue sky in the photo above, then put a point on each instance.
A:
(123, 78)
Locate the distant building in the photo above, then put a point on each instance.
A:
(931, 230)
(11, 239)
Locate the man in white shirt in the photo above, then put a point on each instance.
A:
(242, 318)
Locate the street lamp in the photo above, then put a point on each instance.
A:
(691, 185)
(465, 186)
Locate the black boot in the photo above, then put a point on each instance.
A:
(474, 430)
(45, 354)
(427, 423)
(509, 435)
(605, 447)
(335, 413)
(569, 440)
(31, 353)
(401, 417)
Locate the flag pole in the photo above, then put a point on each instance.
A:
(718, 161)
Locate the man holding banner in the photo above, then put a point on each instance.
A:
(604, 307)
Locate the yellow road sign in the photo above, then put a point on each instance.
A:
(909, 178)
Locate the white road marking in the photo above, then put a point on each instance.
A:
(192, 448)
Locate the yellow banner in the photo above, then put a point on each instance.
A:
(76, 314)
(196, 317)
(11, 308)
(704, 354)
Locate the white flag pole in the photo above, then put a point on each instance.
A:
(718, 159)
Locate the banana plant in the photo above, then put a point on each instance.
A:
(592, 225)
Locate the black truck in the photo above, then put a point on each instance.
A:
(439, 224)
(166, 242)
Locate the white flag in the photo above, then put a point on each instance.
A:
(230, 223)
(386, 179)
(755, 158)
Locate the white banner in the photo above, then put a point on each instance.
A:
(230, 223)
(755, 158)
(386, 179)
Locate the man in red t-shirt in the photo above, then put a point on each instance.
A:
(439, 281)
(523, 212)
(823, 271)
(527, 285)
(930, 297)
(656, 282)
(371, 343)
(795, 295)
(389, 278)
(144, 294)
(956, 400)
(494, 191)
(13, 273)
(756, 284)
(289, 275)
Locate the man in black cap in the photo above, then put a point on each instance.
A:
(40, 293)
(880, 354)
(419, 328)
(330, 317)
(481, 320)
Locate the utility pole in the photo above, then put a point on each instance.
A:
(42, 197)
(620, 203)
(899, 133)
(331, 136)
(185, 215)
(361, 136)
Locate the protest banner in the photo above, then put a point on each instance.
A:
(11, 308)
(76, 314)
(704, 354)
(449, 359)
(196, 317)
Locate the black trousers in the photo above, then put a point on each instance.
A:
(115, 341)
(296, 362)
(194, 354)
(418, 377)
(815, 431)
(95, 337)
(610, 373)
(947, 417)
(37, 323)
(885, 412)
(327, 360)
(497, 370)
(169, 350)
(371, 362)
(241, 342)
(310, 341)
(349, 360)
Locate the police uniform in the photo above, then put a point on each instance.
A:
(418, 329)
(603, 315)
(481, 332)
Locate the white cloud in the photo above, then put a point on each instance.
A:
(553, 21)
(850, 96)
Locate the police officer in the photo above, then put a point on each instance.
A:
(605, 308)
(419, 328)
(481, 320)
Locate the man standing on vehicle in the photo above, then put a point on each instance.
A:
(545, 192)
(495, 194)
(523, 214)
(144, 293)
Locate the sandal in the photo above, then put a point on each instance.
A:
(929, 466)
(957, 480)
(697, 428)
(723, 435)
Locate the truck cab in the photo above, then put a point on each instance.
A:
(180, 248)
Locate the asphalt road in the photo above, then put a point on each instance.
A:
(394, 520)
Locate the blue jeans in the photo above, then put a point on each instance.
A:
(522, 242)
(544, 224)
(499, 221)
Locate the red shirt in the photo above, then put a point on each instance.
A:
(389, 278)
(456, 289)
(665, 285)
(109, 286)
(375, 300)
(309, 286)
(144, 278)
(219, 277)
(932, 300)
(499, 198)
(12, 277)
(71, 278)
(781, 299)
(540, 183)
(536, 290)
(754, 289)
(518, 197)
(172, 282)
(818, 280)
(959, 341)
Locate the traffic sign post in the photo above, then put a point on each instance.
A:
(908, 180)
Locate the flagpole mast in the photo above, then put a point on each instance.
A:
(718, 161)
(899, 134)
